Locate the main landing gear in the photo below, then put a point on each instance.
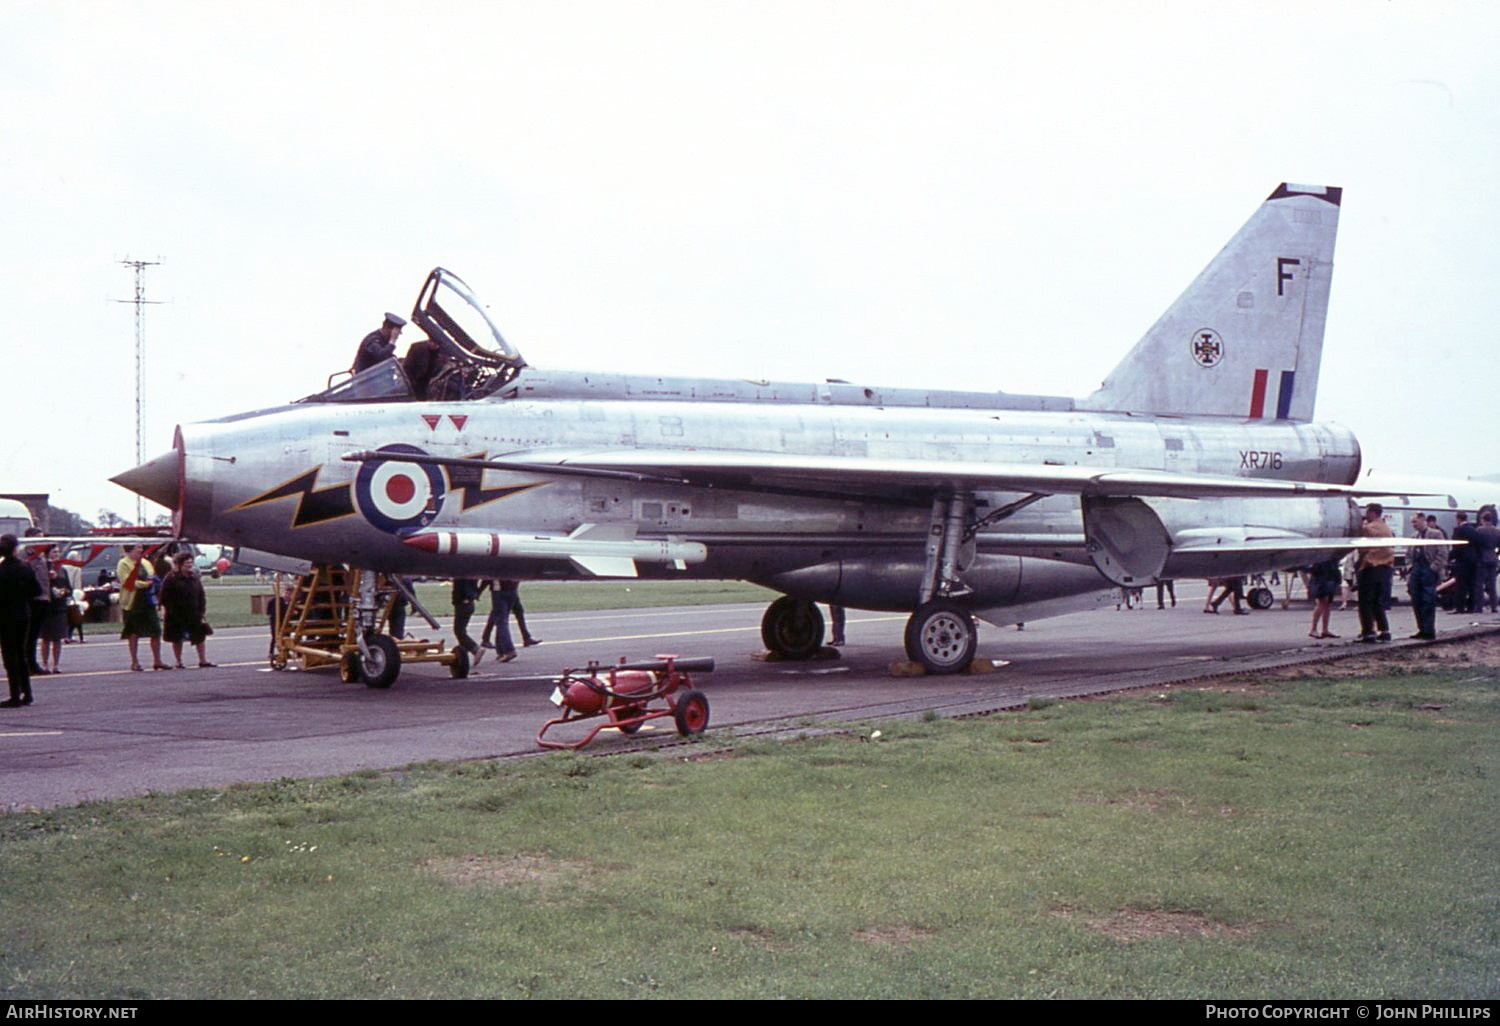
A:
(941, 634)
(942, 637)
(792, 628)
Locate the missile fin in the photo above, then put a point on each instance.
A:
(603, 532)
(606, 566)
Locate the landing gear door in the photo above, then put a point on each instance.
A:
(1126, 540)
(451, 315)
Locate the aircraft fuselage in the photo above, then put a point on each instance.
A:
(862, 550)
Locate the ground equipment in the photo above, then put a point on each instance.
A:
(621, 696)
(334, 615)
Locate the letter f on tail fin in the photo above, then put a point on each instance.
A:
(1246, 338)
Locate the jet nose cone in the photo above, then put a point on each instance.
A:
(158, 480)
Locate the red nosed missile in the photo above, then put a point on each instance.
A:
(605, 550)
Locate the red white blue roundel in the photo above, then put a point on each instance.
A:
(395, 495)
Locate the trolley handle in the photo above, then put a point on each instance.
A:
(697, 664)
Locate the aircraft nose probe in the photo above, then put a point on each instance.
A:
(157, 479)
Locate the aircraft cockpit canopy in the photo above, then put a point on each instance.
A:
(383, 383)
(449, 312)
(463, 356)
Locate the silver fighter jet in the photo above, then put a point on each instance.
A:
(1197, 457)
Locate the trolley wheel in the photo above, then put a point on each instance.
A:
(941, 636)
(691, 713)
(380, 667)
(349, 667)
(1261, 598)
(792, 628)
(459, 668)
(278, 662)
(622, 712)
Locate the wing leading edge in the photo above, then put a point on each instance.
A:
(864, 476)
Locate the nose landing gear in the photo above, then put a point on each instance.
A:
(338, 616)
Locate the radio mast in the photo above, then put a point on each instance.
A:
(140, 302)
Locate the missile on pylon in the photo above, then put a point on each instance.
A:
(604, 550)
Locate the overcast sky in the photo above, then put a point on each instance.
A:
(946, 195)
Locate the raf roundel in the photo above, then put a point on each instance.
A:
(1207, 347)
(395, 495)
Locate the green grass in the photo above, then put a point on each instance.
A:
(229, 599)
(1304, 839)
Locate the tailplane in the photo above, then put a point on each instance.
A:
(1246, 338)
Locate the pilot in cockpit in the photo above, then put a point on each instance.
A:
(463, 355)
(424, 365)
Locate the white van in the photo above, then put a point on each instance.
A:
(15, 518)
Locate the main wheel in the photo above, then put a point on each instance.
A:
(379, 668)
(1261, 598)
(459, 668)
(941, 636)
(792, 628)
(691, 713)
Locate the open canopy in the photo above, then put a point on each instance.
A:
(463, 356)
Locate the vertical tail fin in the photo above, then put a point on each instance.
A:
(1246, 338)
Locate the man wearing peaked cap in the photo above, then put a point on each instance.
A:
(380, 344)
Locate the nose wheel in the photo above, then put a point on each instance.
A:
(379, 666)
(942, 637)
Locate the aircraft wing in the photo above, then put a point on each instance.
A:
(102, 541)
(1304, 544)
(874, 477)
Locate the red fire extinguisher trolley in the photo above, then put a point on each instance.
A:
(626, 695)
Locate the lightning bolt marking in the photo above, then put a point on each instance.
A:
(469, 483)
(314, 506)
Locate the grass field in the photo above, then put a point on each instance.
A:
(1324, 837)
